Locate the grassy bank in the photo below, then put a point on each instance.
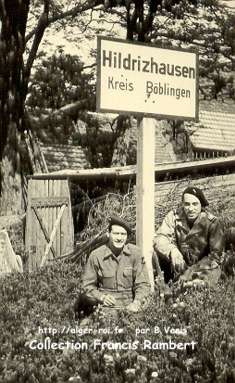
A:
(39, 306)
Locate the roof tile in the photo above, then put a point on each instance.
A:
(60, 157)
(215, 131)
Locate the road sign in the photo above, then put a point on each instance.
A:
(139, 78)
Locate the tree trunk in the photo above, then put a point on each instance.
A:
(12, 98)
(121, 146)
(11, 196)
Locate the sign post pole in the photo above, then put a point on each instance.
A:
(145, 181)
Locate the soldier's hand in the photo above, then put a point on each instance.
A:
(177, 260)
(109, 300)
(195, 283)
(134, 306)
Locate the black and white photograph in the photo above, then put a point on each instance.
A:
(117, 191)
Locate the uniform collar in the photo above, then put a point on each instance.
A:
(181, 217)
(108, 252)
(126, 249)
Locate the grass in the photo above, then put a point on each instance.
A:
(44, 300)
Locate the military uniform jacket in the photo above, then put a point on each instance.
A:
(124, 276)
(204, 238)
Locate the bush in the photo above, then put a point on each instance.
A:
(33, 305)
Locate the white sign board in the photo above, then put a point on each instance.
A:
(143, 79)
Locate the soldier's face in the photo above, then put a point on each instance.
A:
(192, 207)
(117, 236)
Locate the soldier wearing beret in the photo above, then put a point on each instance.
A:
(189, 243)
(115, 275)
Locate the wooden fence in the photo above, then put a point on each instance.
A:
(49, 225)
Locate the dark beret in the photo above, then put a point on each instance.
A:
(115, 220)
(197, 193)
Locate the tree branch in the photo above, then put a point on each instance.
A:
(39, 32)
(88, 66)
(113, 11)
(70, 13)
(66, 110)
(122, 24)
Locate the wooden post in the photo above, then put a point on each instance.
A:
(145, 182)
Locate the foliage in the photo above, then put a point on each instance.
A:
(59, 81)
(61, 72)
(44, 300)
(208, 29)
(99, 143)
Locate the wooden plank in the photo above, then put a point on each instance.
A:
(49, 201)
(62, 193)
(128, 171)
(49, 246)
(70, 245)
(42, 159)
(50, 211)
(70, 218)
(63, 223)
(39, 232)
(43, 211)
(47, 213)
(58, 249)
(66, 226)
(43, 228)
(35, 225)
(29, 230)
(56, 211)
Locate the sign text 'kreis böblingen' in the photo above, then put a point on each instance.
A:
(139, 78)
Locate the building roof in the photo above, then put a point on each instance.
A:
(215, 130)
(58, 157)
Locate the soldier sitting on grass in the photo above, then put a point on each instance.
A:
(190, 241)
(115, 275)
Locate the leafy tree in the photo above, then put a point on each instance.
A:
(14, 81)
(165, 22)
(59, 84)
